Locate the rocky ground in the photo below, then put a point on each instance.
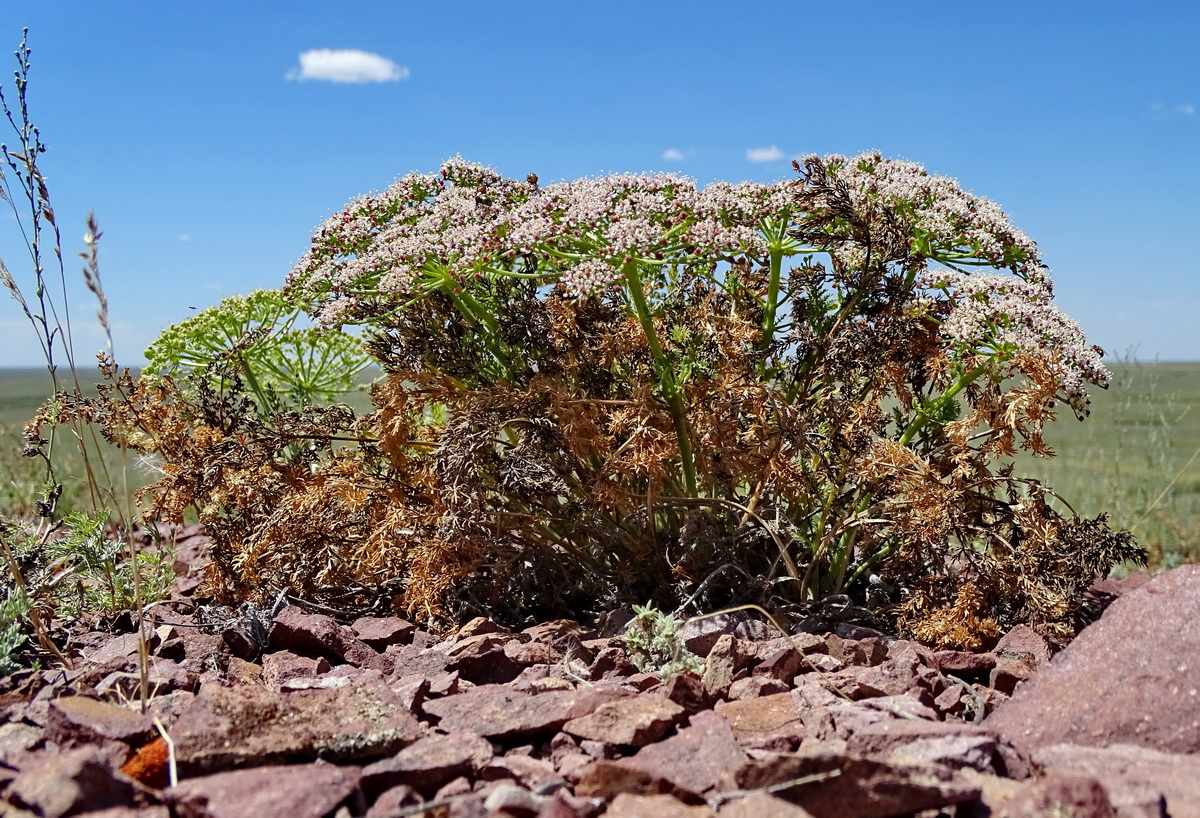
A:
(299, 716)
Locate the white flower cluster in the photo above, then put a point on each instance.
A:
(428, 230)
(441, 230)
(950, 221)
(346, 249)
(589, 276)
(1005, 311)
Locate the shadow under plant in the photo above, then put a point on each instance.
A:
(629, 389)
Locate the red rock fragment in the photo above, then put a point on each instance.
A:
(481, 659)
(318, 635)
(393, 801)
(698, 759)
(495, 711)
(247, 725)
(411, 660)
(660, 806)
(867, 651)
(1139, 781)
(687, 691)
(532, 653)
(1011, 669)
(428, 764)
(964, 662)
(699, 635)
(294, 791)
(724, 660)
(610, 662)
(761, 805)
(865, 788)
(782, 665)
(78, 720)
(128, 812)
(70, 782)
(953, 700)
(767, 722)
(282, 666)
(478, 626)
(531, 773)
(1024, 639)
(512, 802)
(1078, 796)
(636, 721)
(1131, 677)
(950, 744)
(753, 687)
(382, 632)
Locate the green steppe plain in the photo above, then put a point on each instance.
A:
(1135, 458)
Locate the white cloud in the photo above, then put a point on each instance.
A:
(673, 155)
(1186, 110)
(771, 154)
(184, 237)
(346, 65)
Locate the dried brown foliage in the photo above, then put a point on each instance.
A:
(716, 433)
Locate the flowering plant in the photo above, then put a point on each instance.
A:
(631, 388)
(835, 359)
(284, 366)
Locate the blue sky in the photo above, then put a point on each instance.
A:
(209, 156)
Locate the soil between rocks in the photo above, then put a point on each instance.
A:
(301, 716)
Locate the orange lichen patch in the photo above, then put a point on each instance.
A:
(150, 764)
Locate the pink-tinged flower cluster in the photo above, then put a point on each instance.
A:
(1008, 312)
(946, 222)
(431, 231)
(613, 217)
(328, 274)
(589, 276)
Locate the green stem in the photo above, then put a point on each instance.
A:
(925, 415)
(772, 305)
(666, 376)
(870, 562)
(473, 310)
(841, 556)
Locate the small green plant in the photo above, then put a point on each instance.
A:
(94, 571)
(285, 367)
(84, 568)
(14, 627)
(654, 644)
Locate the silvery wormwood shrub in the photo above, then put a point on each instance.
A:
(631, 388)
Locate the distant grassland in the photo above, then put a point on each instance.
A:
(1134, 458)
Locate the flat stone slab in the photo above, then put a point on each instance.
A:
(496, 711)
(228, 727)
(840, 784)
(1132, 677)
(79, 720)
(699, 758)
(296, 791)
(1133, 776)
(429, 763)
(636, 721)
(759, 721)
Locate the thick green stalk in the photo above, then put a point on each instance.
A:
(924, 415)
(473, 310)
(772, 305)
(666, 376)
